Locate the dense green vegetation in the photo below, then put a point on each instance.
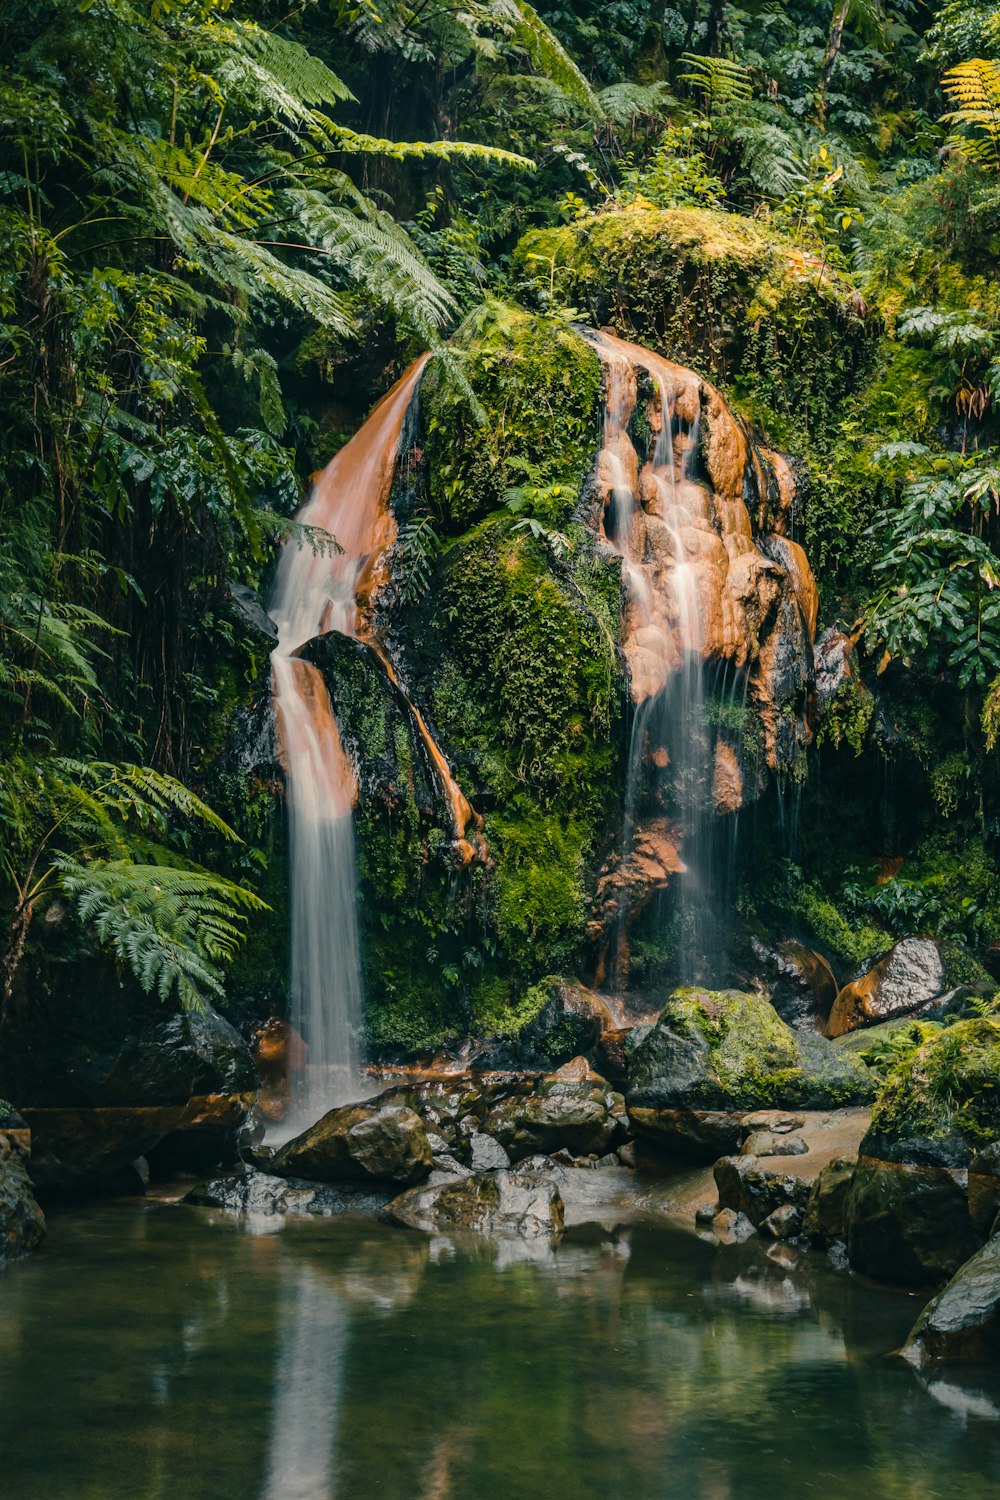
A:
(226, 227)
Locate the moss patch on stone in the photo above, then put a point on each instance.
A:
(946, 1089)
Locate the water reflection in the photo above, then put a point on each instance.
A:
(338, 1361)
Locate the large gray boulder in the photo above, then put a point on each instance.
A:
(572, 1110)
(379, 1142)
(963, 1321)
(502, 1203)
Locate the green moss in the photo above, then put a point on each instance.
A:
(753, 1054)
(723, 293)
(496, 1011)
(538, 388)
(948, 1085)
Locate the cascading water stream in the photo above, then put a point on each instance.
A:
(653, 520)
(317, 591)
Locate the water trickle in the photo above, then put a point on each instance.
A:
(317, 591)
(658, 518)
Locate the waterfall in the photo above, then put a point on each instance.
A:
(318, 590)
(656, 517)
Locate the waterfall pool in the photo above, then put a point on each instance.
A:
(155, 1350)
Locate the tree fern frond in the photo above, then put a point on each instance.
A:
(624, 103)
(719, 79)
(973, 87)
(548, 55)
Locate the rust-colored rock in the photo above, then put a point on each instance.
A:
(909, 975)
(727, 780)
(280, 1054)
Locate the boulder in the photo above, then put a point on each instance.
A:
(713, 1056)
(22, 1223)
(749, 1188)
(963, 1321)
(801, 982)
(570, 1023)
(768, 1143)
(486, 1154)
(906, 978)
(825, 1217)
(502, 1203)
(78, 1150)
(578, 1115)
(908, 1225)
(378, 1142)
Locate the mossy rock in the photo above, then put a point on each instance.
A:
(941, 1103)
(725, 294)
(726, 1050)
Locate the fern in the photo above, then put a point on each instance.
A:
(173, 928)
(974, 89)
(719, 80)
(625, 103)
(548, 56)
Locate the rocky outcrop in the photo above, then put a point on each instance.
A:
(749, 1188)
(800, 981)
(22, 1223)
(908, 1225)
(502, 1203)
(963, 1321)
(904, 980)
(569, 1024)
(581, 1115)
(380, 1142)
(712, 1056)
(825, 1218)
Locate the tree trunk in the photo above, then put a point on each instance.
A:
(833, 45)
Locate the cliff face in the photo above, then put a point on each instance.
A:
(537, 640)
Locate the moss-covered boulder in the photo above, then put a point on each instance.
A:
(730, 1051)
(724, 293)
(941, 1102)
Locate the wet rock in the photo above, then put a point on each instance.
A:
(984, 1188)
(963, 1321)
(732, 1228)
(280, 1055)
(486, 1154)
(749, 1188)
(767, 1143)
(196, 1053)
(628, 1155)
(570, 1023)
(82, 1150)
(22, 1223)
(705, 1213)
(779, 1122)
(908, 1225)
(801, 982)
(784, 1223)
(382, 1142)
(262, 1195)
(834, 660)
(578, 1117)
(826, 1211)
(501, 1203)
(447, 1167)
(908, 976)
(713, 1056)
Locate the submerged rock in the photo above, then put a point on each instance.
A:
(963, 1321)
(907, 977)
(713, 1056)
(22, 1223)
(502, 1203)
(381, 1142)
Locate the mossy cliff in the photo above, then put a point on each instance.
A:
(725, 294)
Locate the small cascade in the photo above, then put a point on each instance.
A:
(714, 620)
(317, 591)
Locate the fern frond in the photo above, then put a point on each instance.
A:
(624, 103)
(548, 55)
(719, 80)
(973, 87)
(172, 927)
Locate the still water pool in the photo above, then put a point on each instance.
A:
(154, 1350)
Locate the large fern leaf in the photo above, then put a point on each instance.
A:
(973, 87)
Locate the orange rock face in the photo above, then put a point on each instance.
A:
(279, 1053)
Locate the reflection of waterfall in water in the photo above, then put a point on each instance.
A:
(307, 1392)
(654, 519)
(317, 591)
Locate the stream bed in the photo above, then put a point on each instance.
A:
(157, 1350)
